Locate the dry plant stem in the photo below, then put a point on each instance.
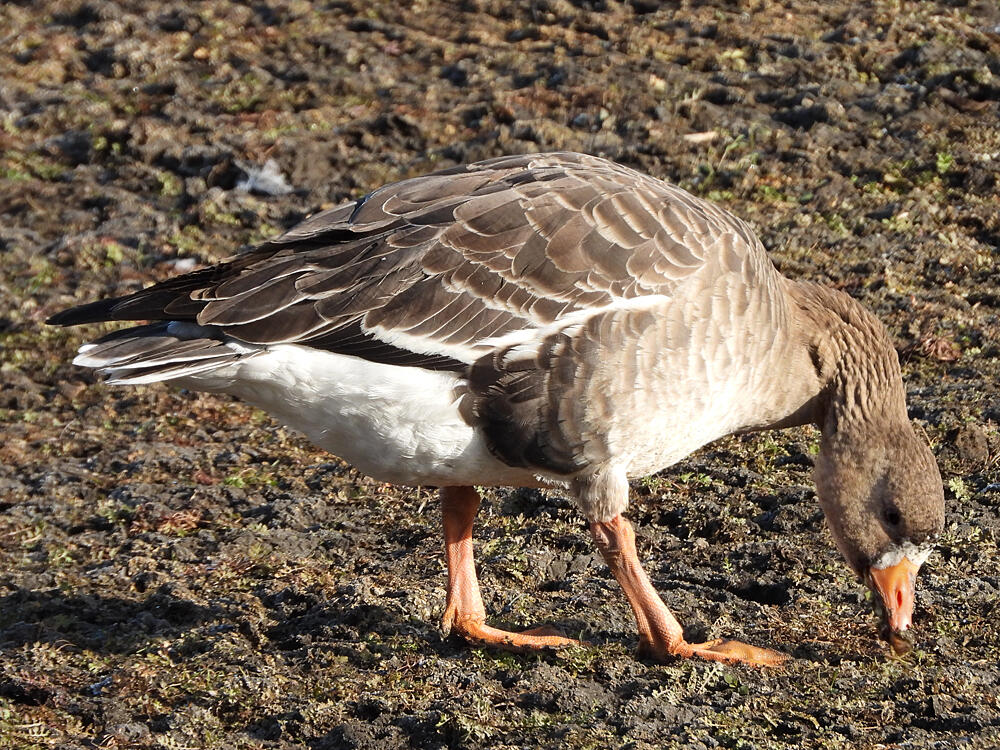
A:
(660, 635)
(464, 613)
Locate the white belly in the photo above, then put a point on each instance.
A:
(395, 424)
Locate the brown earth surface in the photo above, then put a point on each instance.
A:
(177, 571)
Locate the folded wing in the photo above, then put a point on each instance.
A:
(431, 270)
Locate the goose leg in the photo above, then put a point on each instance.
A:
(660, 635)
(464, 613)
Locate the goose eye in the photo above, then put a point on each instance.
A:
(892, 517)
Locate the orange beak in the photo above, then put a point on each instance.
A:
(895, 588)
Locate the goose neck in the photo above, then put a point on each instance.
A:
(857, 369)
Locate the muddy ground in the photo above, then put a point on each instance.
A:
(177, 571)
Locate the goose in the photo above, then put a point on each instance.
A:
(548, 320)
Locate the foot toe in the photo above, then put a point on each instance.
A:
(536, 639)
(724, 649)
(544, 630)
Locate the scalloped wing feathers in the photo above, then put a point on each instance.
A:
(526, 272)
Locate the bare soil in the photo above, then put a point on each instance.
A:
(177, 571)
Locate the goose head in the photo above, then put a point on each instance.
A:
(882, 496)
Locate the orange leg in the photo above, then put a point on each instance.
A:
(464, 613)
(660, 635)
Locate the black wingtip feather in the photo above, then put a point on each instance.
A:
(92, 312)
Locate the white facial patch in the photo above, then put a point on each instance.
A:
(895, 554)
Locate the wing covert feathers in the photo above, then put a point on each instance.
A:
(433, 265)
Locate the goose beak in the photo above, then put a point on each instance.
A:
(893, 587)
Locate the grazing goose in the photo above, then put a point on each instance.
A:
(548, 320)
